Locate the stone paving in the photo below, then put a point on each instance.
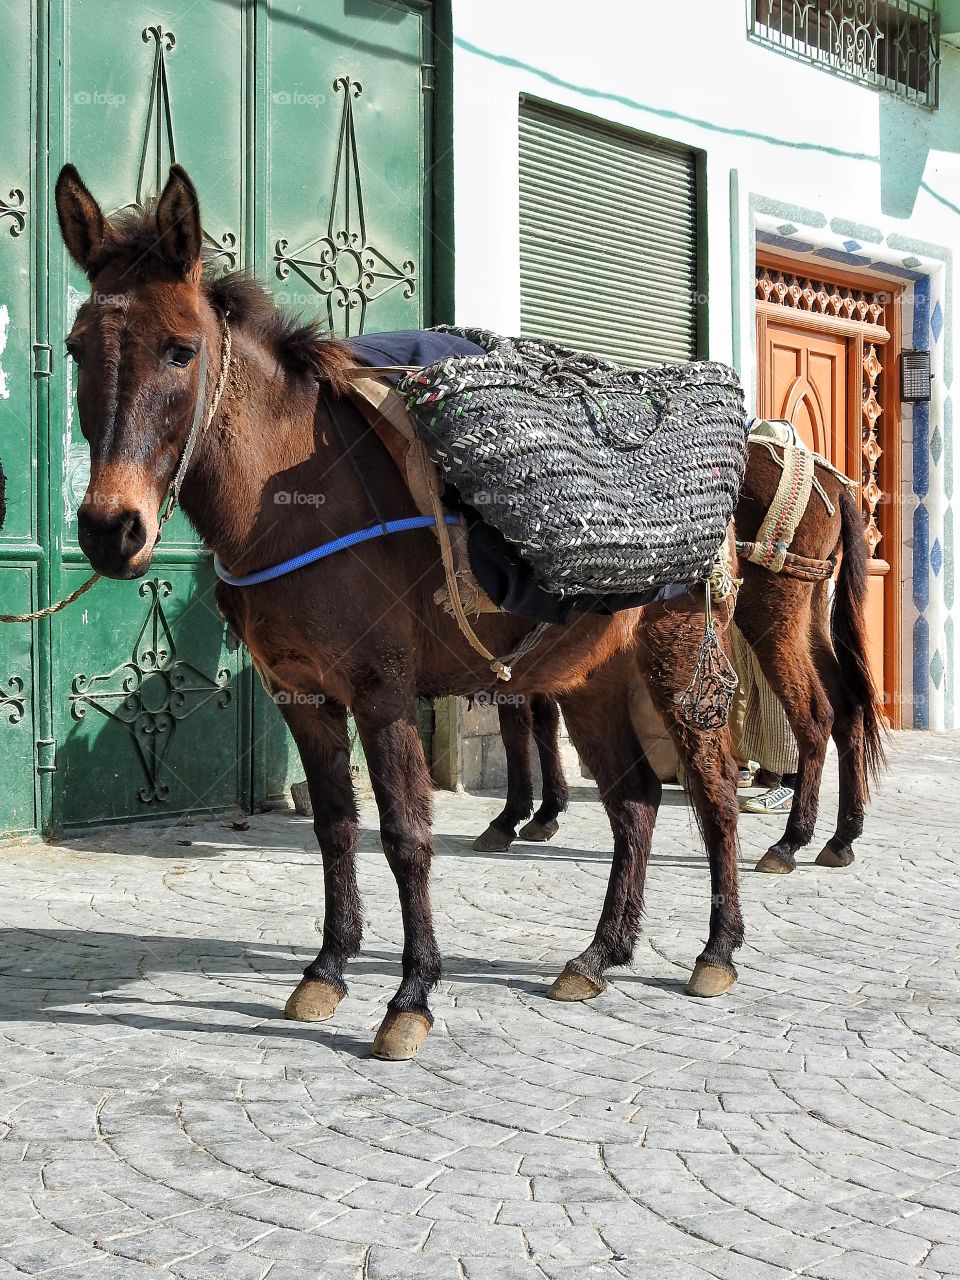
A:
(159, 1118)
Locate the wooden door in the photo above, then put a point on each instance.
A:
(813, 378)
(807, 375)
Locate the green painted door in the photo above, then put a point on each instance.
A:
(305, 129)
(21, 445)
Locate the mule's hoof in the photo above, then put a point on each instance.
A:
(539, 831)
(708, 980)
(493, 840)
(830, 857)
(574, 985)
(777, 864)
(400, 1036)
(312, 1001)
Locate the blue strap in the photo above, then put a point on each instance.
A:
(328, 549)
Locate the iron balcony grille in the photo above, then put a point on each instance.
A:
(888, 44)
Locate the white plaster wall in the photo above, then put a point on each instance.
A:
(686, 72)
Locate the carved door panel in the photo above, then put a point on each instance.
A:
(807, 374)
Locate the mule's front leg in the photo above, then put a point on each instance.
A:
(671, 645)
(401, 784)
(598, 719)
(324, 744)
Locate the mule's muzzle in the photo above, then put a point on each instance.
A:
(113, 543)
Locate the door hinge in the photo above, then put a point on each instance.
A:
(42, 359)
(46, 755)
(426, 76)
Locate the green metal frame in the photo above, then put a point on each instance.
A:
(48, 554)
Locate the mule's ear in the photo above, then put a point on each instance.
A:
(180, 237)
(81, 220)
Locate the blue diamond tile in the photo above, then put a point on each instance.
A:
(936, 668)
(788, 229)
(936, 557)
(936, 322)
(936, 446)
(921, 313)
(921, 558)
(921, 448)
(852, 245)
(921, 666)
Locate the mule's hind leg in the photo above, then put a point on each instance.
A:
(850, 736)
(785, 653)
(671, 642)
(324, 745)
(598, 718)
(545, 714)
(515, 732)
(387, 723)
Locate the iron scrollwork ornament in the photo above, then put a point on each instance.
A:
(14, 208)
(158, 150)
(151, 693)
(342, 265)
(12, 702)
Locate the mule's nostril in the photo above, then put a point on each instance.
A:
(133, 534)
(121, 535)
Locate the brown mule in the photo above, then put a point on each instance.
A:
(359, 630)
(813, 655)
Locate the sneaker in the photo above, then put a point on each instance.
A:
(776, 800)
(744, 778)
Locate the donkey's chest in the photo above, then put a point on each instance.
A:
(290, 654)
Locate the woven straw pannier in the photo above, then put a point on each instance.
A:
(604, 479)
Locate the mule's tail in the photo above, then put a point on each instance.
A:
(848, 630)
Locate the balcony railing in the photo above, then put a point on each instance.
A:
(892, 45)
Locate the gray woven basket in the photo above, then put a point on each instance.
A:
(604, 479)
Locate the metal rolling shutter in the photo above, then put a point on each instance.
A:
(608, 240)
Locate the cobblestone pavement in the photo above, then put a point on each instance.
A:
(159, 1118)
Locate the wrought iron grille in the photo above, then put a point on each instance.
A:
(888, 44)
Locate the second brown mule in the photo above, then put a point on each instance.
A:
(813, 652)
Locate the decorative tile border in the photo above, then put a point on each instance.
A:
(928, 539)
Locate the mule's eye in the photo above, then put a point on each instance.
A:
(180, 355)
(74, 351)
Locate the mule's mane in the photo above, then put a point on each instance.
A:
(302, 348)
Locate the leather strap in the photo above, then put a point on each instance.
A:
(793, 566)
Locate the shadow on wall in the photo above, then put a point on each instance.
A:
(909, 133)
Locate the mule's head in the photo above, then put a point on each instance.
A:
(136, 342)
